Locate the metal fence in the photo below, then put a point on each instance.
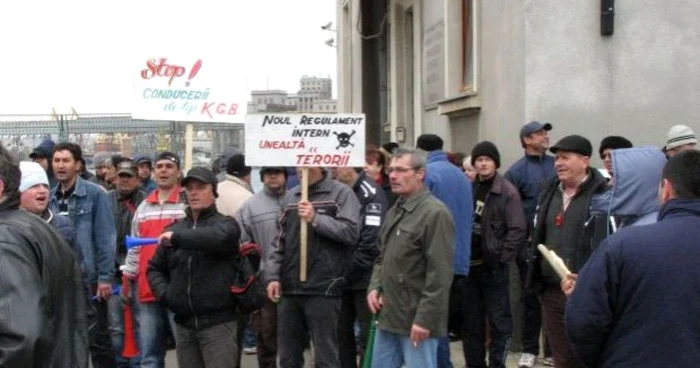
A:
(118, 133)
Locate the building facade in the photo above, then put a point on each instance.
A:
(472, 70)
(315, 95)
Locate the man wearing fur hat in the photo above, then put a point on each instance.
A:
(498, 233)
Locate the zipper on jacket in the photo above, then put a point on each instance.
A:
(189, 292)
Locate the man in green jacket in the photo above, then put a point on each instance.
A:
(411, 279)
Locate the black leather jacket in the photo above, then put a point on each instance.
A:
(42, 306)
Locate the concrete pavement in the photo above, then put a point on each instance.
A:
(249, 361)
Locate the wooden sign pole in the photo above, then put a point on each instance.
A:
(304, 226)
(189, 143)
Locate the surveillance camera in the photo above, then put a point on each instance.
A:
(330, 42)
(327, 26)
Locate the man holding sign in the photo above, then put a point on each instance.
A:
(313, 306)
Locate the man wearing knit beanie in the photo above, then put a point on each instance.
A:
(678, 139)
(498, 233)
(607, 145)
(447, 182)
(34, 198)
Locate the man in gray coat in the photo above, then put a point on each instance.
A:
(258, 219)
(312, 307)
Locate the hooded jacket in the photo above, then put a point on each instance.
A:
(633, 195)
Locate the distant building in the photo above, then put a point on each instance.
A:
(314, 95)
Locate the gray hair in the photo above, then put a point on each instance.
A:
(418, 157)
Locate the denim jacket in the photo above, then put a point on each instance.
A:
(95, 235)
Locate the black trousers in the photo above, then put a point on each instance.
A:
(354, 308)
(101, 351)
(486, 289)
(314, 316)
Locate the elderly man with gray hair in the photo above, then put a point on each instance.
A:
(412, 277)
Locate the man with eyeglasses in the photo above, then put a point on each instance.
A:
(411, 280)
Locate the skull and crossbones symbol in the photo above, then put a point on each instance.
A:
(344, 139)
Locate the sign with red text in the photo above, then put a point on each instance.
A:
(325, 140)
(185, 89)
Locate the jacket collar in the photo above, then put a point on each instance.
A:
(268, 192)
(239, 182)
(206, 213)
(680, 207)
(537, 158)
(9, 204)
(174, 196)
(497, 185)
(409, 204)
(362, 177)
(324, 185)
(436, 156)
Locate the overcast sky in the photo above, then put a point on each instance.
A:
(86, 53)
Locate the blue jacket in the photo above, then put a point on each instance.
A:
(633, 195)
(148, 185)
(529, 175)
(449, 184)
(636, 300)
(90, 210)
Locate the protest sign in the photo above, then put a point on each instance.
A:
(185, 89)
(311, 140)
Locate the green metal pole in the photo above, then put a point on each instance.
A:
(369, 349)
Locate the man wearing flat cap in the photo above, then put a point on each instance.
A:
(192, 273)
(562, 223)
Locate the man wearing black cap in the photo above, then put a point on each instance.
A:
(607, 145)
(528, 175)
(41, 154)
(258, 219)
(145, 165)
(125, 199)
(563, 224)
(497, 235)
(192, 273)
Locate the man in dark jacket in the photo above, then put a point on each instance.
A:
(41, 154)
(373, 207)
(125, 199)
(42, 316)
(564, 224)
(497, 235)
(528, 175)
(192, 273)
(635, 301)
(411, 280)
(313, 306)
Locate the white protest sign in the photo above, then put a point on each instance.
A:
(186, 89)
(312, 140)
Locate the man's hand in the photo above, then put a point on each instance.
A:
(164, 239)
(274, 291)
(418, 334)
(125, 294)
(375, 301)
(306, 211)
(104, 291)
(568, 284)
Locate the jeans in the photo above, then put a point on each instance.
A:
(116, 326)
(265, 322)
(249, 334)
(487, 290)
(212, 347)
(354, 308)
(153, 329)
(301, 316)
(393, 351)
(99, 337)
